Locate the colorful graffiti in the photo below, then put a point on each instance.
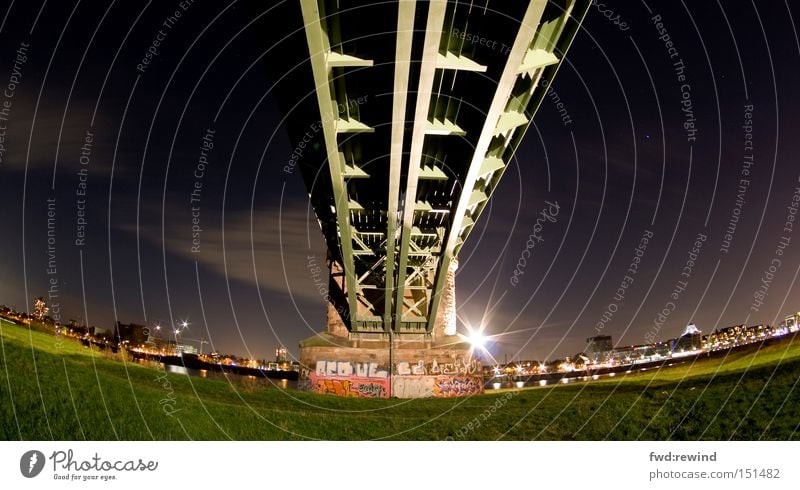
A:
(449, 386)
(436, 386)
(355, 387)
(410, 380)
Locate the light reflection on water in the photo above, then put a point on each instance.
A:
(248, 380)
(510, 383)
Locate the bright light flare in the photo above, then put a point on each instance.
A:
(476, 339)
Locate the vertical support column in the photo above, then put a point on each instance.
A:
(445, 324)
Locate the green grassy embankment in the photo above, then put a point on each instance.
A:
(54, 388)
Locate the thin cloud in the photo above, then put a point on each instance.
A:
(276, 249)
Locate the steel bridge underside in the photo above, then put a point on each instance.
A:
(404, 116)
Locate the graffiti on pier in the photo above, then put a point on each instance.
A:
(353, 387)
(436, 386)
(414, 386)
(447, 386)
(346, 369)
(411, 379)
(458, 366)
(372, 390)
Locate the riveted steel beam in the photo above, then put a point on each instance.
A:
(405, 34)
(430, 53)
(525, 35)
(319, 49)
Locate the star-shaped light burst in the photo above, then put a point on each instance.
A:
(476, 340)
(183, 325)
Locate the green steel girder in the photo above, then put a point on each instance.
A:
(545, 54)
(405, 35)
(319, 49)
(395, 254)
(518, 64)
(430, 52)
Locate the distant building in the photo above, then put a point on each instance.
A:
(281, 354)
(581, 361)
(686, 343)
(133, 333)
(625, 354)
(728, 337)
(691, 339)
(185, 349)
(598, 347)
(633, 354)
(691, 329)
(791, 322)
(661, 349)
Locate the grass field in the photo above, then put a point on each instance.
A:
(54, 388)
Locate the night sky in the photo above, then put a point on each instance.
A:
(695, 139)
